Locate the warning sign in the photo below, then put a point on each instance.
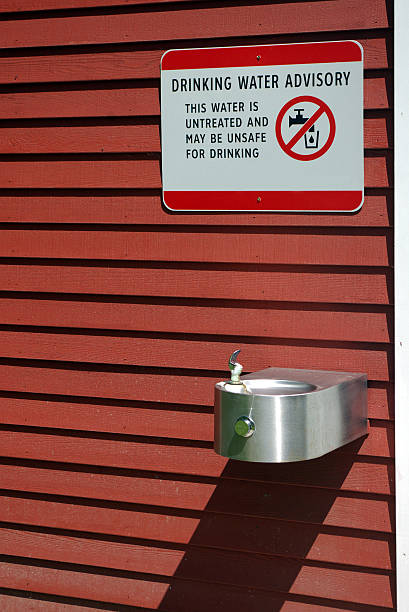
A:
(265, 128)
(305, 133)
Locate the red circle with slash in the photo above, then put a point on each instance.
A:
(322, 109)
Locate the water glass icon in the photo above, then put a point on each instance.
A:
(311, 138)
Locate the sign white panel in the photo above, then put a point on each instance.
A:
(243, 129)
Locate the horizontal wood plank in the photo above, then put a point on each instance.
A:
(82, 585)
(328, 548)
(105, 139)
(130, 489)
(283, 574)
(187, 595)
(308, 323)
(112, 419)
(261, 247)
(179, 389)
(139, 420)
(160, 527)
(120, 454)
(144, 209)
(60, 414)
(380, 441)
(181, 354)
(143, 387)
(90, 103)
(144, 421)
(135, 455)
(124, 138)
(298, 606)
(159, 352)
(138, 64)
(166, 562)
(377, 133)
(94, 174)
(336, 586)
(129, 102)
(381, 403)
(323, 500)
(216, 531)
(50, 5)
(336, 286)
(211, 531)
(210, 22)
(312, 545)
(68, 549)
(122, 174)
(15, 603)
(335, 470)
(33, 603)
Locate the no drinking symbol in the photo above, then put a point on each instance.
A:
(305, 128)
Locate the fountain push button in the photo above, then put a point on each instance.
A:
(244, 426)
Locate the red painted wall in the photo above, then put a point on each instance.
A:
(116, 319)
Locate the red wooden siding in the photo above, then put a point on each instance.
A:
(117, 318)
(123, 139)
(58, 101)
(137, 64)
(210, 22)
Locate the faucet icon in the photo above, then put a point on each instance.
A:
(299, 118)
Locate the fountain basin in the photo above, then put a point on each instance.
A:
(283, 415)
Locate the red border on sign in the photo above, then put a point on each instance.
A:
(263, 201)
(287, 147)
(269, 55)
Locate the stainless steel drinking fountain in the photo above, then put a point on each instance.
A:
(279, 415)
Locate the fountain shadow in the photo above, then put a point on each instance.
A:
(287, 537)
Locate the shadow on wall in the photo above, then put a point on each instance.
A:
(264, 546)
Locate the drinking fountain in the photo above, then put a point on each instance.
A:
(279, 415)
